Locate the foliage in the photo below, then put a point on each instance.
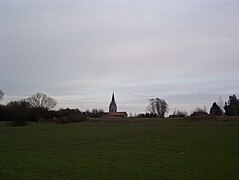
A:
(146, 115)
(215, 110)
(67, 112)
(178, 113)
(19, 112)
(70, 116)
(232, 106)
(94, 113)
(199, 112)
(158, 107)
(4, 112)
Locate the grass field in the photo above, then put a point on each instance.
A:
(111, 150)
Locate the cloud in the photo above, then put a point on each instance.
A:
(79, 51)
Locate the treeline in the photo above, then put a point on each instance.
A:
(158, 107)
(39, 108)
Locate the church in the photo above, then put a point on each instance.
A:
(113, 110)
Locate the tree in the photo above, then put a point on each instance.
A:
(232, 106)
(161, 107)
(220, 103)
(41, 104)
(158, 107)
(40, 100)
(3, 113)
(215, 110)
(151, 107)
(19, 112)
(1, 94)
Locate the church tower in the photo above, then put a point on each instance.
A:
(113, 107)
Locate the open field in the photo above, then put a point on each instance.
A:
(111, 150)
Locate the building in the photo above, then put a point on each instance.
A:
(113, 106)
(113, 110)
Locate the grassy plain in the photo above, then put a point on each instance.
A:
(180, 149)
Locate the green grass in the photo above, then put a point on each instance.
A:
(111, 150)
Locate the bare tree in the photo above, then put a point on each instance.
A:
(220, 103)
(151, 107)
(1, 94)
(158, 106)
(161, 107)
(40, 100)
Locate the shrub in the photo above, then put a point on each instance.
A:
(179, 114)
(18, 112)
(199, 112)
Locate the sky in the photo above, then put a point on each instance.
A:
(80, 52)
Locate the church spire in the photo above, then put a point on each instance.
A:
(113, 98)
(113, 106)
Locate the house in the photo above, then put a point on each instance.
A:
(113, 110)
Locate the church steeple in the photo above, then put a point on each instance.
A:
(113, 106)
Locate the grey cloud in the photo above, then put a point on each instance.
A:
(76, 50)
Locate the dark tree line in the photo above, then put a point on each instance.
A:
(158, 107)
(39, 108)
(231, 107)
(30, 109)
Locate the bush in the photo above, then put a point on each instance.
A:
(4, 113)
(63, 116)
(147, 115)
(94, 113)
(18, 113)
(179, 114)
(199, 112)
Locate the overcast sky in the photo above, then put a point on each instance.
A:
(80, 51)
